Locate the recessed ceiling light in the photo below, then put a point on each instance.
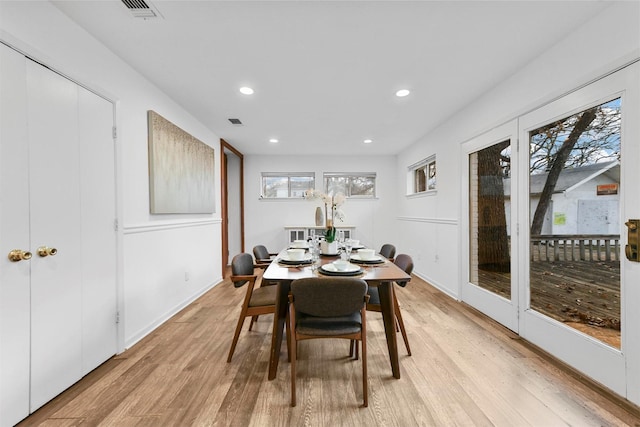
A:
(368, 141)
(403, 92)
(246, 90)
(273, 141)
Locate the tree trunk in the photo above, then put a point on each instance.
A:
(558, 164)
(493, 248)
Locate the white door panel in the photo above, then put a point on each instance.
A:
(613, 367)
(98, 253)
(14, 234)
(56, 331)
(475, 290)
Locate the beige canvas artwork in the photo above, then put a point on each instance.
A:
(181, 170)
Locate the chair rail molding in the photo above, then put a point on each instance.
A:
(447, 221)
(147, 228)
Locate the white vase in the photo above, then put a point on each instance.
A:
(329, 248)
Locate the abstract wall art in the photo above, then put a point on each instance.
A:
(181, 170)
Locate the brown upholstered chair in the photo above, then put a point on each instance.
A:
(388, 251)
(257, 300)
(328, 308)
(405, 263)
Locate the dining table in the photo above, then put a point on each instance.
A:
(382, 274)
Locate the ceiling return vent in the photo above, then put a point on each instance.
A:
(142, 9)
(235, 122)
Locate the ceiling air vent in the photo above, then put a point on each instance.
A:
(236, 122)
(141, 9)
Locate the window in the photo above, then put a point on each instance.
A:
(422, 176)
(280, 185)
(354, 185)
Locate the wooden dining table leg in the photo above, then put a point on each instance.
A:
(385, 290)
(279, 319)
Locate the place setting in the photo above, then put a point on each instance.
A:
(340, 268)
(367, 257)
(295, 257)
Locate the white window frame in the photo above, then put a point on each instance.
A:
(428, 165)
(288, 176)
(328, 175)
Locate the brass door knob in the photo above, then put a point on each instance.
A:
(19, 255)
(44, 251)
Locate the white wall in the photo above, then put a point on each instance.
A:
(157, 253)
(430, 225)
(265, 219)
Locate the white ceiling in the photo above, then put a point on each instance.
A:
(325, 72)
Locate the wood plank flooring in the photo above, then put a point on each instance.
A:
(466, 370)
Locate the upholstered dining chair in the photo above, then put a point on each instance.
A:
(263, 259)
(262, 254)
(388, 251)
(257, 300)
(404, 262)
(328, 308)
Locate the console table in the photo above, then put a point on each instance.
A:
(301, 232)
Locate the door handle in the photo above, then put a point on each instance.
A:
(44, 251)
(19, 255)
(631, 248)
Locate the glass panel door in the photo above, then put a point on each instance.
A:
(489, 284)
(576, 190)
(574, 183)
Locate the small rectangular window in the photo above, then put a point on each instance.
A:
(353, 184)
(282, 185)
(422, 176)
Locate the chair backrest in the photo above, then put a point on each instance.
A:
(328, 297)
(404, 262)
(241, 265)
(388, 251)
(260, 252)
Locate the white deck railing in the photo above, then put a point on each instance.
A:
(575, 247)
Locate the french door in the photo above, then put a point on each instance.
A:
(491, 268)
(548, 197)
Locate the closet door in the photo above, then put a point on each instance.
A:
(57, 183)
(56, 281)
(14, 234)
(98, 236)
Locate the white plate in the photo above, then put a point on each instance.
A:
(305, 257)
(374, 258)
(332, 268)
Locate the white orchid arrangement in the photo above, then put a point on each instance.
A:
(330, 200)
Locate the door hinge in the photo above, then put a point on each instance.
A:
(115, 224)
(114, 132)
(117, 317)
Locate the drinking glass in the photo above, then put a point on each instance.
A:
(348, 245)
(315, 256)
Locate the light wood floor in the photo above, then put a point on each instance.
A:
(465, 370)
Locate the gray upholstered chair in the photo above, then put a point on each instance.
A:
(257, 300)
(263, 259)
(404, 262)
(388, 251)
(262, 255)
(328, 308)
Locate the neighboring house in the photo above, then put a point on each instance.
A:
(585, 200)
